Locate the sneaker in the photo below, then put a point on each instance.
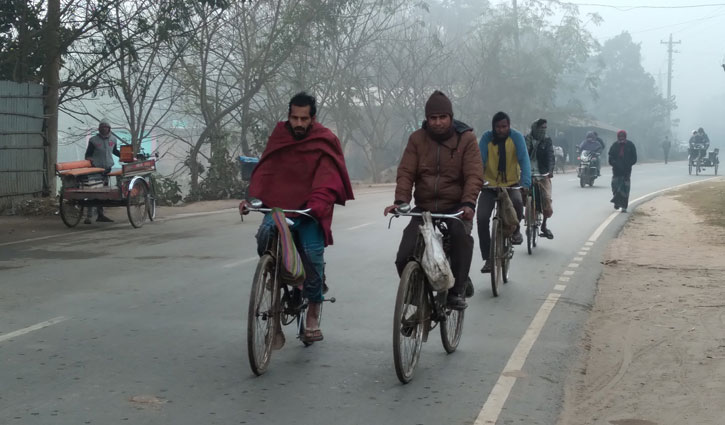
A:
(87, 220)
(456, 302)
(516, 238)
(469, 288)
(616, 207)
(545, 232)
(487, 266)
(104, 219)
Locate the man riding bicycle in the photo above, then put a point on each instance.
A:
(505, 163)
(541, 155)
(302, 167)
(443, 163)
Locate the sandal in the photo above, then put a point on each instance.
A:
(312, 335)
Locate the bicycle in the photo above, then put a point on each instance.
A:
(419, 308)
(501, 249)
(272, 304)
(533, 216)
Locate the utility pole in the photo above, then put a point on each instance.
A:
(670, 50)
(516, 26)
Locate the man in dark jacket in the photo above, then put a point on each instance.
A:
(543, 161)
(622, 156)
(442, 162)
(100, 151)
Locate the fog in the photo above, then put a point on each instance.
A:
(698, 77)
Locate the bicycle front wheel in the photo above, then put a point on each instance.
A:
(137, 204)
(451, 329)
(496, 254)
(262, 315)
(408, 323)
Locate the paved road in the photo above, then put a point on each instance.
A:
(147, 326)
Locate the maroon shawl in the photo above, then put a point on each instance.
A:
(307, 173)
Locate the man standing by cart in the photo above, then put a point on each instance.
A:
(100, 151)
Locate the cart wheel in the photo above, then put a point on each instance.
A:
(137, 204)
(152, 199)
(71, 211)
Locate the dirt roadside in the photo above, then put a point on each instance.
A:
(653, 352)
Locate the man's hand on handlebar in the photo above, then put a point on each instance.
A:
(468, 213)
(244, 207)
(390, 209)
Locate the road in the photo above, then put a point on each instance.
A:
(148, 326)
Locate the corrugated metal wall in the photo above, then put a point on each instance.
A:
(22, 142)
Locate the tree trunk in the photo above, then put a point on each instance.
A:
(51, 76)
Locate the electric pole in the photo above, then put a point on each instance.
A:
(670, 50)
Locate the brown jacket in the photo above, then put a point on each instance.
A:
(446, 175)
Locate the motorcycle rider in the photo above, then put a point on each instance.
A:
(592, 143)
(541, 155)
(505, 163)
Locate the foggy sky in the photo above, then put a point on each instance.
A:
(698, 82)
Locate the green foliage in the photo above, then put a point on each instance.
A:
(20, 36)
(168, 191)
(222, 179)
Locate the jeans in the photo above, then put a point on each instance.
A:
(461, 249)
(310, 243)
(486, 202)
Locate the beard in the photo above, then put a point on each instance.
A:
(300, 133)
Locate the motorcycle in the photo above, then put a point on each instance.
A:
(587, 169)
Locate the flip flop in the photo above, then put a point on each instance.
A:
(312, 335)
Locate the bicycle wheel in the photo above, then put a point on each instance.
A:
(451, 329)
(152, 199)
(262, 315)
(537, 220)
(137, 203)
(689, 167)
(408, 323)
(496, 255)
(530, 224)
(70, 211)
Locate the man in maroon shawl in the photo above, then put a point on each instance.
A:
(302, 167)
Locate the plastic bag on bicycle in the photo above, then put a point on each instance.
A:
(434, 262)
(508, 214)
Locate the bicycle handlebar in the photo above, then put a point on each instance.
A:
(412, 214)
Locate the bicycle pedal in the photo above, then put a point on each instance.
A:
(331, 299)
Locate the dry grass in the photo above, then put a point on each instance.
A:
(707, 199)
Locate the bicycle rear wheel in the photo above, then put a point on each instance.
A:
(530, 224)
(408, 323)
(262, 314)
(496, 255)
(506, 253)
(137, 204)
(71, 211)
(451, 329)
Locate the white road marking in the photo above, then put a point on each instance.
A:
(240, 262)
(359, 226)
(491, 409)
(573, 265)
(577, 259)
(582, 252)
(501, 390)
(559, 287)
(35, 327)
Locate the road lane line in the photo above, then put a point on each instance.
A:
(35, 327)
(578, 258)
(501, 390)
(568, 272)
(582, 253)
(573, 265)
(359, 226)
(564, 278)
(559, 287)
(240, 262)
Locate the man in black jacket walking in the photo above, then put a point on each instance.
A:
(622, 156)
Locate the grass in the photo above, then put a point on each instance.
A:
(707, 199)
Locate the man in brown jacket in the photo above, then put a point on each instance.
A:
(442, 162)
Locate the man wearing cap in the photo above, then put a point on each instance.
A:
(443, 164)
(100, 149)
